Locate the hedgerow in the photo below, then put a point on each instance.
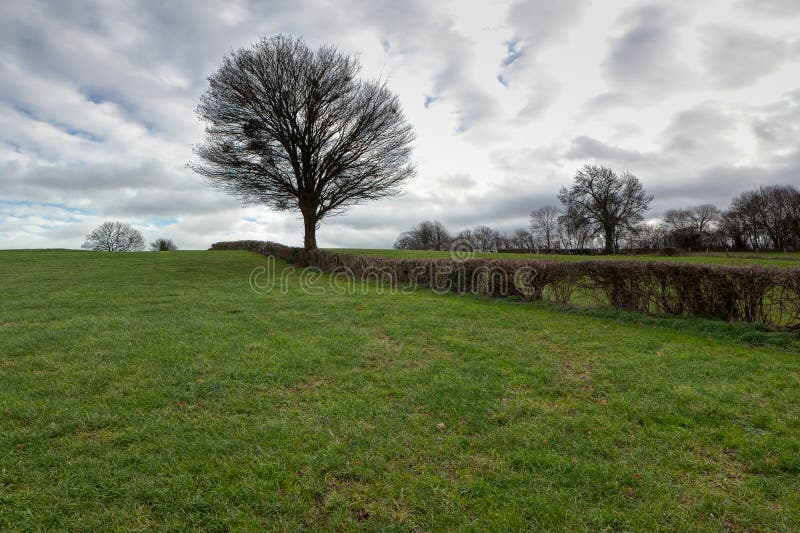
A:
(747, 293)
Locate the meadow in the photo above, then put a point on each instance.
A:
(767, 258)
(158, 391)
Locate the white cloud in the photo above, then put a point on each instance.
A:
(97, 107)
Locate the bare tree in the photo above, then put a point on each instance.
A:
(521, 239)
(767, 216)
(605, 203)
(732, 228)
(481, 239)
(746, 209)
(778, 214)
(691, 227)
(296, 129)
(544, 225)
(163, 245)
(466, 238)
(427, 235)
(573, 234)
(679, 225)
(486, 239)
(705, 218)
(650, 236)
(114, 237)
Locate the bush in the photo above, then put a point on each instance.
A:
(163, 245)
(751, 293)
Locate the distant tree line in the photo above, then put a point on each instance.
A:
(432, 235)
(605, 212)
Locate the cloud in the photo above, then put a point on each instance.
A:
(776, 126)
(771, 8)
(585, 148)
(645, 60)
(508, 99)
(736, 57)
(536, 23)
(423, 34)
(535, 26)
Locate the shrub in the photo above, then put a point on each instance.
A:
(163, 245)
(750, 293)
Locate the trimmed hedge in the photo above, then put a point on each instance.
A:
(750, 293)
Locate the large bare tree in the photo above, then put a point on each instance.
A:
(114, 237)
(296, 129)
(605, 203)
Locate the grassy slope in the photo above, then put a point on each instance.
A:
(791, 260)
(157, 390)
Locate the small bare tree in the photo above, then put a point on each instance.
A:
(486, 239)
(605, 203)
(573, 234)
(114, 237)
(427, 235)
(691, 227)
(521, 239)
(544, 225)
(295, 128)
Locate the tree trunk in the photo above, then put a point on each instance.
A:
(310, 237)
(609, 244)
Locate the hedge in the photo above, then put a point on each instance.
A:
(748, 293)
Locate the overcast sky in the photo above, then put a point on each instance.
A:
(700, 100)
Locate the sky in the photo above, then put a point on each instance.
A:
(700, 100)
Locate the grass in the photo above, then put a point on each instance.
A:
(790, 260)
(157, 391)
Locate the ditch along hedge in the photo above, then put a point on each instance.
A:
(749, 293)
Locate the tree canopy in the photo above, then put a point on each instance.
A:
(114, 237)
(605, 203)
(296, 129)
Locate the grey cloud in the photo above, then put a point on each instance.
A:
(644, 61)
(129, 75)
(536, 25)
(163, 203)
(718, 184)
(424, 33)
(474, 107)
(736, 57)
(777, 125)
(772, 8)
(544, 93)
(628, 129)
(586, 148)
(463, 181)
(700, 131)
(46, 182)
(140, 190)
(524, 161)
(603, 103)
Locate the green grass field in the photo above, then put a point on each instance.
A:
(791, 260)
(157, 391)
